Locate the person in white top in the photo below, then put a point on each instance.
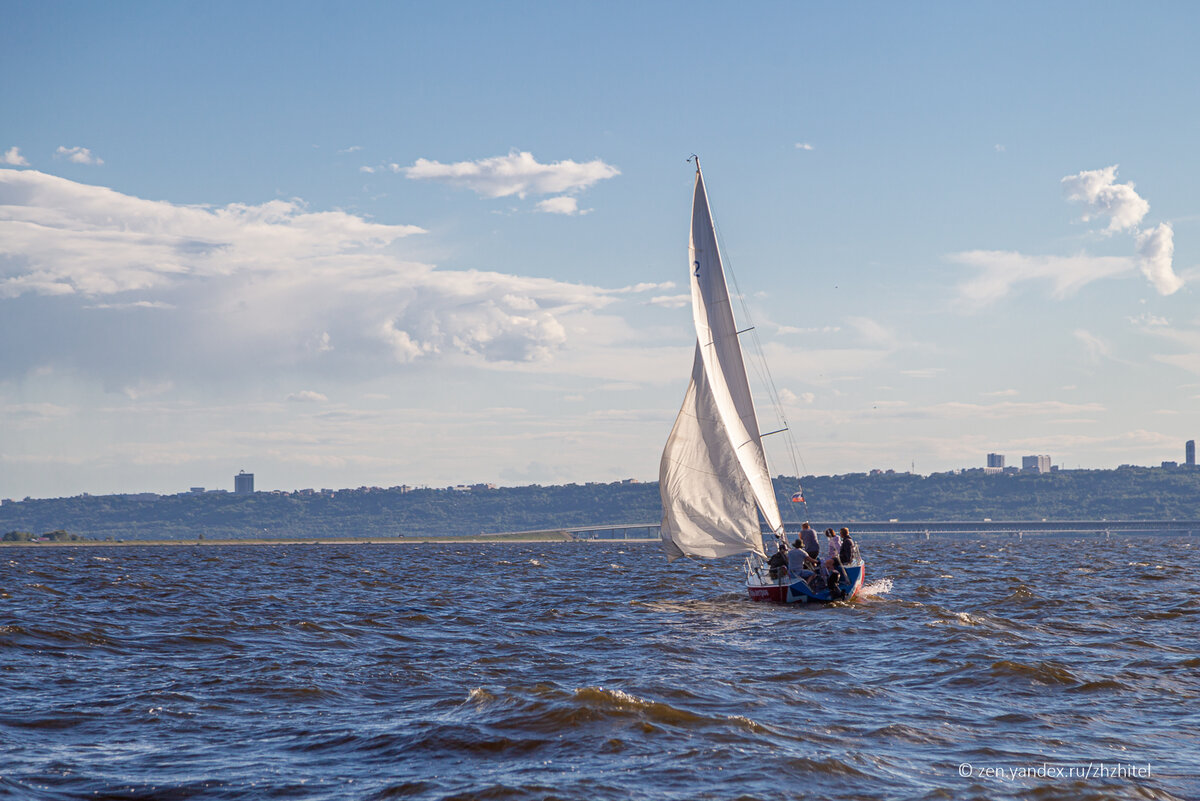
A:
(833, 550)
(833, 544)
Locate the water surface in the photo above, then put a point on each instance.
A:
(598, 671)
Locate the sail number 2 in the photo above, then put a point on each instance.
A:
(696, 272)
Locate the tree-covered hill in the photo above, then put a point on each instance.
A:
(1126, 493)
(1135, 493)
(346, 513)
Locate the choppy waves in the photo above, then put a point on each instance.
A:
(595, 672)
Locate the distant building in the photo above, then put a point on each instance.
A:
(1035, 464)
(196, 489)
(243, 483)
(996, 460)
(1170, 464)
(1189, 450)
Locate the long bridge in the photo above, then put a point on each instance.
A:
(630, 532)
(650, 532)
(1042, 526)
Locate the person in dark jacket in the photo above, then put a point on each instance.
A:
(778, 562)
(849, 551)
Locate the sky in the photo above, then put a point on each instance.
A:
(346, 244)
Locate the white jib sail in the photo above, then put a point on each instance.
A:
(714, 471)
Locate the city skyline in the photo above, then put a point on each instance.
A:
(243, 482)
(430, 245)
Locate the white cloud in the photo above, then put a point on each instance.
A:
(518, 173)
(27, 414)
(563, 204)
(791, 398)
(873, 333)
(1095, 347)
(217, 292)
(999, 271)
(1000, 148)
(13, 158)
(321, 344)
(137, 304)
(307, 396)
(481, 321)
(1125, 209)
(1156, 247)
(803, 146)
(351, 149)
(955, 410)
(64, 237)
(147, 389)
(791, 329)
(1147, 320)
(1184, 361)
(924, 372)
(1188, 340)
(1098, 191)
(645, 286)
(78, 155)
(671, 301)
(820, 366)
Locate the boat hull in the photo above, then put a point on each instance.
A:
(798, 591)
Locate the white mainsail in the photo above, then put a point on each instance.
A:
(713, 472)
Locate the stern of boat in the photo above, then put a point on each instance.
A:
(761, 587)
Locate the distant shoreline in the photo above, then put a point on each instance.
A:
(1162, 498)
(207, 543)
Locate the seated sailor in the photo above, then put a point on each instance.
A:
(833, 553)
(778, 562)
(809, 539)
(800, 564)
(848, 553)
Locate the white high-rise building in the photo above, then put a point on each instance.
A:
(1036, 464)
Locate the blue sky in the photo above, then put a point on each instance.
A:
(380, 243)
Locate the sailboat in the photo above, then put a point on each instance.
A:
(713, 476)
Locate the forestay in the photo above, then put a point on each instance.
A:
(713, 472)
